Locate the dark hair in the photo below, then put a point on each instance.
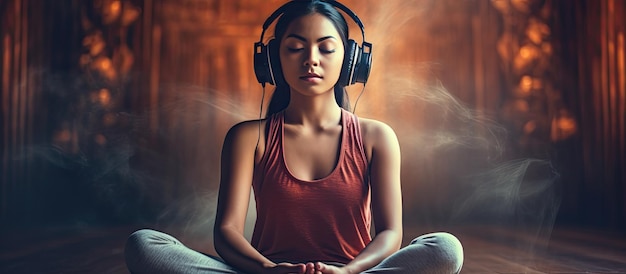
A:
(298, 8)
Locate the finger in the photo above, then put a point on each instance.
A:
(291, 268)
(301, 268)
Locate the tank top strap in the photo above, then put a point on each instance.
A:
(272, 139)
(353, 127)
(274, 129)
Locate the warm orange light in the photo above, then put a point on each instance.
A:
(115, 7)
(111, 11)
(563, 126)
(530, 127)
(526, 84)
(96, 47)
(502, 6)
(537, 31)
(105, 63)
(621, 63)
(104, 66)
(521, 5)
(526, 55)
(567, 124)
(104, 97)
(130, 14)
(546, 48)
(534, 36)
(524, 52)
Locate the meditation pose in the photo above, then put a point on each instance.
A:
(322, 177)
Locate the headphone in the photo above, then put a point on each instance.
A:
(357, 60)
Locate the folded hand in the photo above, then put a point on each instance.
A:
(287, 268)
(322, 268)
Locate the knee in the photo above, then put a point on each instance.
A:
(138, 240)
(453, 250)
(137, 246)
(448, 249)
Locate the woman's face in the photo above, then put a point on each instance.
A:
(311, 54)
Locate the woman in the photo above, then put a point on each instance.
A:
(319, 175)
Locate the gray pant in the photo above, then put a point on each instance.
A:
(149, 251)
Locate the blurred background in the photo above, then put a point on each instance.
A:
(508, 111)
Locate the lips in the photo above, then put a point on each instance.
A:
(311, 77)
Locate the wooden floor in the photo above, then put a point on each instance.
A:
(488, 249)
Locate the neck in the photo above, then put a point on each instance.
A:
(316, 111)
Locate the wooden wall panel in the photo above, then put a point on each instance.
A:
(153, 152)
(593, 49)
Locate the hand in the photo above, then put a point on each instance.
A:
(322, 268)
(287, 268)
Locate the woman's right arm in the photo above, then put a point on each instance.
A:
(237, 167)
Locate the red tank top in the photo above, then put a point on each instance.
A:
(322, 220)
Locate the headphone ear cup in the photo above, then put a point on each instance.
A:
(261, 63)
(347, 68)
(275, 69)
(363, 65)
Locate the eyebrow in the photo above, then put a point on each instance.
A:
(304, 39)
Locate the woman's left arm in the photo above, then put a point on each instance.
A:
(381, 143)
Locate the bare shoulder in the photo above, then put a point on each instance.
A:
(245, 133)
(374, 131)
(378, 138)
(245, 128)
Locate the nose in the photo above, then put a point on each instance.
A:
(312, 58)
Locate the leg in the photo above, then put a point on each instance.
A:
(431, 253)
(149, 251)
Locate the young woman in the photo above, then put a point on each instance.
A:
(319, 175)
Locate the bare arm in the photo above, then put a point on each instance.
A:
(237, 165)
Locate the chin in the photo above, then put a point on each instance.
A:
(312, 89)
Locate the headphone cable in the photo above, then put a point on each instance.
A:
(357, 99)
(258, 139)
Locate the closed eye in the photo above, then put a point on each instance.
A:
(294, 49)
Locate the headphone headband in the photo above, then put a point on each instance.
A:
(278, 12)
